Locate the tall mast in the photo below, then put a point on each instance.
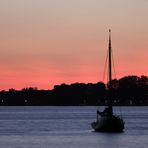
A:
(110, 70)
(110, 60)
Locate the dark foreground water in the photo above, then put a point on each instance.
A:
(69, 127)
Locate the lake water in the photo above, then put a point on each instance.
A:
(69, 127)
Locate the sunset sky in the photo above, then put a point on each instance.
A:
(48, 42)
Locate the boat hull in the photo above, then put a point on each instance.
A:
(108, 124)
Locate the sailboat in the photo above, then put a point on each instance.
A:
(107, 121)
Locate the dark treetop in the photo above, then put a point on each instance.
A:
(129, 90)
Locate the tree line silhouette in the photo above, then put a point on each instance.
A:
(129, 90)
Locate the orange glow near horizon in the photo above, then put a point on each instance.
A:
(44, 43)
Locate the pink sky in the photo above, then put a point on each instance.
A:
(46, 42)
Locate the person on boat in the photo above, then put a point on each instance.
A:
(107, 111)
(98, 112)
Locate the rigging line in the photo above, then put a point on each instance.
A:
(120, 109)
(113, 65)
(120, 112)
(105, 67)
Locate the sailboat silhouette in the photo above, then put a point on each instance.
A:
(106, 120)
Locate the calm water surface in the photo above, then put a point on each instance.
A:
(69, 127)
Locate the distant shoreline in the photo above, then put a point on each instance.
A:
(71, 105)
(127, 91)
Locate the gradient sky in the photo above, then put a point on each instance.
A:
(48, 42)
